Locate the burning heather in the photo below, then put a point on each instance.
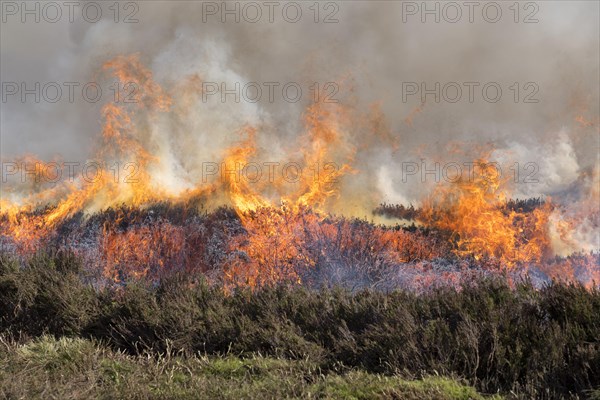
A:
(276, 152)
(242, 222)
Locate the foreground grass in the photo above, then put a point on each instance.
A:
(81, 369)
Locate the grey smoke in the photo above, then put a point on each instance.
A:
(370, 43)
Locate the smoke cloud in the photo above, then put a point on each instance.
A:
(377, 54)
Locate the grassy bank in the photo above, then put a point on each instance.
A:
(81, 369)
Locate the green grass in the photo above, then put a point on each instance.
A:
(64, 368)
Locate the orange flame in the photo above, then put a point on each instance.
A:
(472, 209)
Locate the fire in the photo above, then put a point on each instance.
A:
(119, 142)
(323, 134)
(243, 196)
(283, 244)
(285, 232)
(162, 246)
(124, 137)
(323, 126)
(472, 210)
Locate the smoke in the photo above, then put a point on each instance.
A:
(371, 53)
